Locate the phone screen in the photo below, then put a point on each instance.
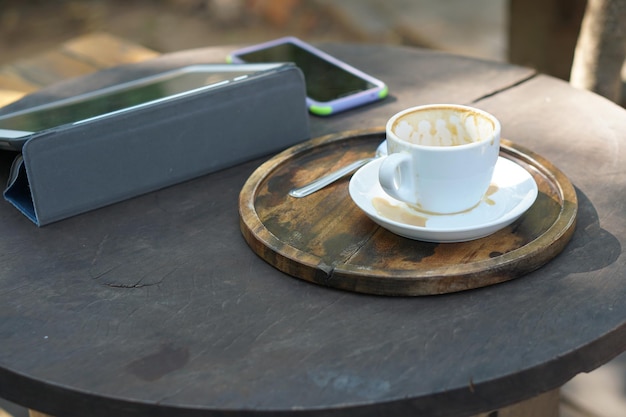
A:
(324, 80)
(117, 98)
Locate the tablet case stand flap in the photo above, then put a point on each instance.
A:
(86, 166)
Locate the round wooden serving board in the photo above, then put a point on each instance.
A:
(326, 239)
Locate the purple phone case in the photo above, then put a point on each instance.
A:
(378, 92)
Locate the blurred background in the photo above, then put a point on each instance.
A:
(541, 34)
(28, 26)
(536, 33)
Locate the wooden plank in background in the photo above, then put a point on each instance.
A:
(79, 56)
(50, 67)
(104, 50)
(11, 79)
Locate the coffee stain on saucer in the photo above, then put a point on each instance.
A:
(405, 215)
(397, 213)
(490, 191)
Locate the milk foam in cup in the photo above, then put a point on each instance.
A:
(441, 157)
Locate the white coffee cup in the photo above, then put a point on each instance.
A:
(441, 157)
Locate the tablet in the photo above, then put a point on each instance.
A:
(16, 128)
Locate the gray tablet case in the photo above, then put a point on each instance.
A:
(83, 167)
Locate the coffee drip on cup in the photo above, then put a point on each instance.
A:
(443, 129)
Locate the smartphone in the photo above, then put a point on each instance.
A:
(332, 86)
(16, 128)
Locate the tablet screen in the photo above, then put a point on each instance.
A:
(121, 97)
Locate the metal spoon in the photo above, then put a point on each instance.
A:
(328, 179)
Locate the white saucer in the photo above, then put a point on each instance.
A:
(513, 191)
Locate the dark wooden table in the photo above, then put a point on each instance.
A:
(156, 305)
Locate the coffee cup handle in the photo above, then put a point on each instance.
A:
(396, 177)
